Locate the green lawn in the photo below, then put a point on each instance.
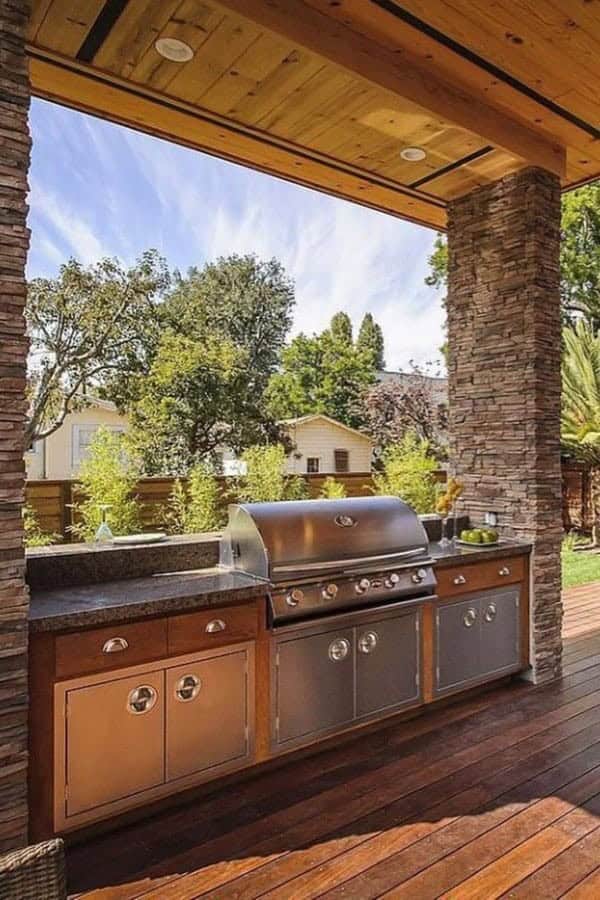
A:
(579, 567)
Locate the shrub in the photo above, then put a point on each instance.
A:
(332, 489)
(34, 535)
(107, 477)
(197, 509)
(408, 472)
(265, 479)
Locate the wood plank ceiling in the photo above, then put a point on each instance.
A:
(328, 93)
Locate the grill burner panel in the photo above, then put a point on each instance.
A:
(325, 556)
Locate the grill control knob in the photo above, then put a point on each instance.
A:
(330, 592)
(392, 580)
(363, 586)
(419, 576)
(294, 597)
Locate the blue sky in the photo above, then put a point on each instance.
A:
(99, 189)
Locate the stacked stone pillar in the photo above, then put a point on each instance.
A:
(14, 242)
(504, 376)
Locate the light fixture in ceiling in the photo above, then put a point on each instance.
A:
(174, 49)
(413, 154)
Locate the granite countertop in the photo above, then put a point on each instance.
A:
(136, 598)
(461, 553)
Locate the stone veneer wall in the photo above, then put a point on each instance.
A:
(504, 376)
(14, 243)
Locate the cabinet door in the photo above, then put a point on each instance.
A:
(207, 713)
(499, 630)
(387, 663)
(457, 637)
(314, 684)
(114, 740)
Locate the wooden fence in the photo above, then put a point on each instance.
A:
(577, 497)
(52, 500)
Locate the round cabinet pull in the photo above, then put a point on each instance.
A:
(368, 641)
(141, 699)
(504, 571)
(460, 579)
(490, 613)
(215, 626)
(115, 645)
(339, 649)
(470, 617)
(187, 688)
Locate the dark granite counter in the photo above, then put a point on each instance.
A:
(136, 598)
(476, 553)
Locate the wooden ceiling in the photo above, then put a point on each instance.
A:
(327, 93)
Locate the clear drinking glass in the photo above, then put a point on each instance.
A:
(104, 535)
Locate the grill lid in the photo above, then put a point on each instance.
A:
(278, 541)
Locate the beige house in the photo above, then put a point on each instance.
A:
(59, 456)
(324, 445)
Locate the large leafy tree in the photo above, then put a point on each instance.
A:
(86, 325)
(324, 373)
(204, 386)
(370, 337)
(580, 254)
(580, 408)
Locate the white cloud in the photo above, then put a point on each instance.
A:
(144, 192)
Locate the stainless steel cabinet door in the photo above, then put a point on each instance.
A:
(314, 684)
(499, 630)
(207, 713)
(114, 740)
(387, 663)
(457, 641)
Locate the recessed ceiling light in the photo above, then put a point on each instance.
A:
(413, 154)
(174, 49)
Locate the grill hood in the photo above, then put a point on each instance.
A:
(290, 539)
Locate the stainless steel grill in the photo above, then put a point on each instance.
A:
(321, 556)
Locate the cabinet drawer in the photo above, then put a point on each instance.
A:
(212, 628)
(477, 576)
(110, 648)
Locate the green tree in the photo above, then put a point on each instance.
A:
(408, 473)
(438, 263)
(580, 254)
(35, 536)
(341, 328)
(107, 477)
(265, 479)
(322, 374)
(197, 509)
(370, 337)
(580, 404)
(186, 406)
(86, 325)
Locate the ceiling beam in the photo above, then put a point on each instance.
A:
(401, 74)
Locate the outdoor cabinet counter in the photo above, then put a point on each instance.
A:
(176, 674)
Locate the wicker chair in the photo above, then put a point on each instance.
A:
(34, 873)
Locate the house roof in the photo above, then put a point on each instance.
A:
(302, 420)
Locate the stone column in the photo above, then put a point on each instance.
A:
(504, 376)
(14, 242)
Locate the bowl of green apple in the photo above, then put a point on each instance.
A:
(478, 537)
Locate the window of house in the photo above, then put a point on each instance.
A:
(342, 460)
(83, 435)
(312, 465)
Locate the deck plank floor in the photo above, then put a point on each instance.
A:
(497, 796)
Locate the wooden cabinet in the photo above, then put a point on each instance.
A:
(101, 649)
(477, 638)
(114, 740)
(123, 739)
(212, 628)
(208, 713)
(476, 576)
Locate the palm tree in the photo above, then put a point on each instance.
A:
(580, 407)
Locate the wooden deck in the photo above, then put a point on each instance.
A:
(497, 796)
